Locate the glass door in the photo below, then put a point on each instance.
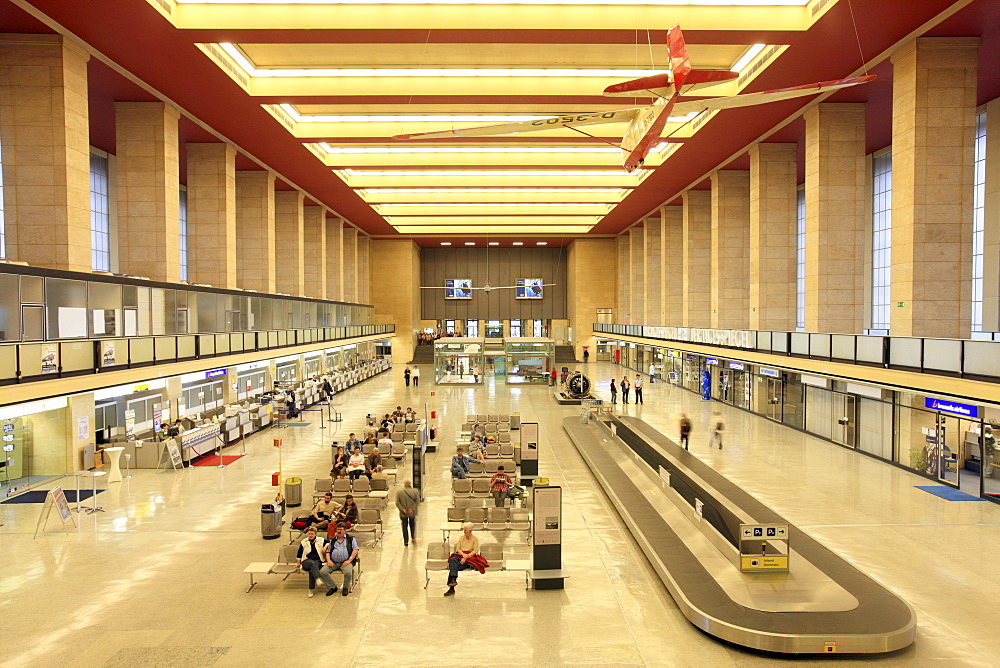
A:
(948, 452)
(844, 419)
(494, 329)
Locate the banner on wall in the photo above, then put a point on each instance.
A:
(50, 359)
(130, 424)
(108, 353)
(706, 385)
(82, 428)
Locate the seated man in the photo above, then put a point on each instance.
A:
(356, 464)
(341, 553)
(466, 548)
(323, 511)
(372, 461)
(310, 558)
(460, 465)
(499, 484)
(385, 443)
(352, 442)
(379, 474)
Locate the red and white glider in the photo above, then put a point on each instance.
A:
(646, 123)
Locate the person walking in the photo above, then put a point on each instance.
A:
(407, 500)
(406, 376)
(586, 355)
(652, 373)
(718, 426)
(624, 386)
(614, 391)
(638, 388)
(415, 375)
(685, 430)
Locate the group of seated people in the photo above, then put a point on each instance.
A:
(327, 513)
(319, 557)
(398, 415)
(500, 482)
(355, 465)
(478, 440)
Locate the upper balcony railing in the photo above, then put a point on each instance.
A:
(964, 358)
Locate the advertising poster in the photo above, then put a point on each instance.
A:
(175, 452)
(130, 424)
(108, 353)
(50, 359)
(59, 497)
(82, 428)
(157, 420)
(548, 515)
(529, 440)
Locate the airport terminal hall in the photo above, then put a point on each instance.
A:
(499, 332)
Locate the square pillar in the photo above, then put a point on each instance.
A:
(634, 273)
(653, 278)
(586, 259)
(933, 140)
(364, 269)
(148, 180)
(673, 264)
(350, 253)
(835, 218)
(397, 300)
(730, 248)
(44, 122)
(773, 236)
(289, 243)
(623, 301)
(255, 230)
(314, 229)
(335, 258)
(211, 216)
(697, 259)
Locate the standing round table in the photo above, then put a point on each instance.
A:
(114, 454)
(93, 475)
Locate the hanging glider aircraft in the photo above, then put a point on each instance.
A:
(646, 123)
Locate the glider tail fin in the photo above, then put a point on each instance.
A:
(680, 63)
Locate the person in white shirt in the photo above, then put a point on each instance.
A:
(637, 386)
(310, 559)
(356, 464)
(415, 376)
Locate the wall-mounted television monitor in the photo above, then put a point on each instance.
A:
(529, 288)
(458, 288)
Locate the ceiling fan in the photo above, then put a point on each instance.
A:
(487, 288)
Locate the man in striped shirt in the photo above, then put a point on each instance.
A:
(499, 484)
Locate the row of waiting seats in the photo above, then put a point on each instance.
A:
(489, 467)
(377, 488)
(438, 554)
(488, 427)
(491, 418)
(397, 452)
(470, 488)
(488, 519)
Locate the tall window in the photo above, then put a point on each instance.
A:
(881, 241)
(449, 326)
(100, 214)
(515, 328)
(183, 227)
(800, 261)
(978, 198)
(472, 328)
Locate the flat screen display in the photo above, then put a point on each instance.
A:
(458, 288)
(529, 288)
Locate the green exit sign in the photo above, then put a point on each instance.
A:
(900, 304)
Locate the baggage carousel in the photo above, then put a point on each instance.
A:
(687, 518)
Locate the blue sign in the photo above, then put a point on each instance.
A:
(215, 372)
(739, 366)
(706, 385)
(773, 373)
(757, 532)
(711, 360)
(691, 356)
(965, 410)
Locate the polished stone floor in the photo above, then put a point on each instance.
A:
(158, 579)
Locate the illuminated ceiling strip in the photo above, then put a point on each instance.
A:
(598, 205)
(431, 191)
(750, 54)
(487, 172)
(253, 71)
(388, 150)
(664, 3)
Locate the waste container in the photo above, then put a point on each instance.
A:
(270, 522)
(293, 492)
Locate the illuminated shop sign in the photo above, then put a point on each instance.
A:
(773, 373)
(711, 360)
(739, 366)
(215, 372)
(966, 410)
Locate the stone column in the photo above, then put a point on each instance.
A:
(350, 254)
(835, 218)
(314, 227)
(991, 221)
(653, 277)
(730, 248)
(623, 305)
(397, 301)
(364, 268)
(335, 258)
(933, 139)
(255, 230)
(588, 288)
(211, 214)
(44, 123)
(773, 236)
(635, 273)
(148, 190)
(289, 245)
(697, 264)
(673, 264)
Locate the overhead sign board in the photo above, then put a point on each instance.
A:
(945, 406)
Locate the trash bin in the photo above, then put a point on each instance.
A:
(270, 522)
(585, 415)
(293, 492)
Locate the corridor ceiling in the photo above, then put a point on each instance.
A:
(314, 90)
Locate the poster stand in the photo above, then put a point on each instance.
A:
(56, 498)
(169, 453)
(546, 538)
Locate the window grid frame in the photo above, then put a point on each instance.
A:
(800, 260)
(881, 237)
(182, 225)
(978, 223)
(100, 213)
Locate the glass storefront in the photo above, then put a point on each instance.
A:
(459, 360)
(530, 360)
